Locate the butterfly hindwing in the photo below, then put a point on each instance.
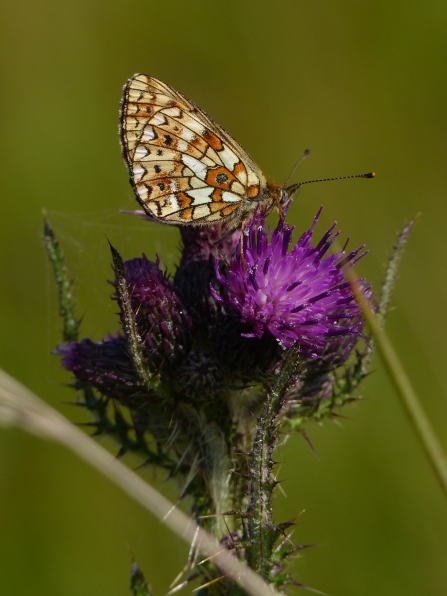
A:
(185, 169)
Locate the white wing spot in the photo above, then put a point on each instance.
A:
(142, 192)
(230, 197)
(138, 172)
(141, 152)
(188, 134)
(201, 196)
(195, 165)
(158, 119)
(229, 159)
(148, 133)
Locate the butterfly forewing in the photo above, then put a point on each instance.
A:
(184, 167)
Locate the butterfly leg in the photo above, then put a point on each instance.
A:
(278, 204)
(227, 233)
(241, 246)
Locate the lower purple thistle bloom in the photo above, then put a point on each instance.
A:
(105, 365)
(298, 295)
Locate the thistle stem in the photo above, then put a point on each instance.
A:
(261, 535)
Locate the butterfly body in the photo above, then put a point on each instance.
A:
(185, 169)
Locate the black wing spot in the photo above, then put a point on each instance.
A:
(149, 189)
(221, 178)
(161, 185)
(159, 151)
(168, 140)
(157, 168)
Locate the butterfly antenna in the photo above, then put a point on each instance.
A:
(295, 187)
(305, 154)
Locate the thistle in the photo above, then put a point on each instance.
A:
(254, 334)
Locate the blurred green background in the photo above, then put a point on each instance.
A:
(363, 85)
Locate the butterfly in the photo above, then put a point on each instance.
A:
(185, 168)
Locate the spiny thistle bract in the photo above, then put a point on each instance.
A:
(242, 342)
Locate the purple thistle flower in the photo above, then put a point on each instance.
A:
(162, 321)
(299, 295)
(105, 365)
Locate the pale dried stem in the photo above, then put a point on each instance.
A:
(20, 407)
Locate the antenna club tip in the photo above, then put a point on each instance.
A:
(371, 175)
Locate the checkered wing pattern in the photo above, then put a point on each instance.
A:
(184, 168)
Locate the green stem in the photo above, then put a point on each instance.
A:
(406, 393)
(260, 532)
(66, 310)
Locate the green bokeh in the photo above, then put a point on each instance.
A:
(364, 85)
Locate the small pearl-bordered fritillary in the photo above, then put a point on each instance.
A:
(185, 168)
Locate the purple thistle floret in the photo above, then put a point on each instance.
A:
(300, 295)
(162, 321)
(106, 365)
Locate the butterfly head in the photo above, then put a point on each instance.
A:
(278, 197)
(288, 193)
(283, 195)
